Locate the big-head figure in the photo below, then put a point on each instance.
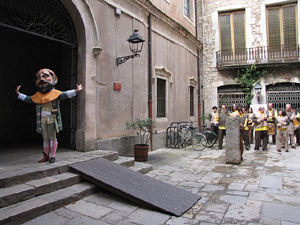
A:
(48, 116)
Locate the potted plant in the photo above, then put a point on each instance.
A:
(143, 131)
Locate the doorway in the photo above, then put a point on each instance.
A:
(25, 50)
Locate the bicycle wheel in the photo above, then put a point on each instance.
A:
(198, 140)
(211, 138)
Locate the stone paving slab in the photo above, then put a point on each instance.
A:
(215, 181)
(281, 212)
(137, 187)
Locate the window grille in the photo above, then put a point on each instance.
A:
(161, 98)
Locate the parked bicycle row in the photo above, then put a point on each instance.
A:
(182, 134)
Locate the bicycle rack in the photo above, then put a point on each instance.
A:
(176, 134)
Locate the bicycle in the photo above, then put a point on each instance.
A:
(190, 136)
(211, 137)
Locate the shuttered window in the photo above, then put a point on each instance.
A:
(161, 98)
(192, 101)
(232, 32)
(282, 27)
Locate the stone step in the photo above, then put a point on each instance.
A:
(33, 188)
(20, 175)
(125, 161)
(141, 167)
(29, 209)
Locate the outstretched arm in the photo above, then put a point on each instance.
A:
(21, 96)
(71, 93)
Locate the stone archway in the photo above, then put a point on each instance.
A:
(86, 65)
(40, 36)
(88, 51)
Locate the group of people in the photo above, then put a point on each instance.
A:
(283, 125)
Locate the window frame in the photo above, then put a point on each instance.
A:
(165, 97)
(231, 13)
(280, 7)
(192, 100)
(187, 9)
(191, 17)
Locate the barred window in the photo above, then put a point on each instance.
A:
(161, 98)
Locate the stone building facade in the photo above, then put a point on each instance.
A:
(95, 35)
(237, 34)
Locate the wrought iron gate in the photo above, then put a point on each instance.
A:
(49, 20)
(231, 94)
(281, 94)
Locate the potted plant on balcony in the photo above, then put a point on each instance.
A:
(143, 131)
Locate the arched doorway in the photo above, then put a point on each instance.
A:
(284, 93)
(231, 94)
(35, 34)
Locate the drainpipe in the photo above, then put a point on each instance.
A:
(198, 67)
(202, 56)
(150, 76)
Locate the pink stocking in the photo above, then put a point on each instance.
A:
(53, 147)
(46, 150)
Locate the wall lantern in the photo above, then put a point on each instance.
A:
(257, 88)
(136, 43)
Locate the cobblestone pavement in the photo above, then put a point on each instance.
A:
(264, 189)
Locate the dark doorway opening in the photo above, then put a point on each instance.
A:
(22, 55)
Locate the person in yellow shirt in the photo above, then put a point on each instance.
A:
(222, 125)
(296, 125)
(282, 134)
(261, 129)
(244, 127)
(250, 124)
(290, 127)
(234, 111)
(272, 114)
(214, 120)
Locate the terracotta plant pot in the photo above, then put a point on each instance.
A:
(141, 152)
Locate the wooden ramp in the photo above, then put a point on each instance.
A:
(136, 187)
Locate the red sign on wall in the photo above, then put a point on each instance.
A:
(117, 86)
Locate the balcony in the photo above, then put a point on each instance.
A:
(260, 56)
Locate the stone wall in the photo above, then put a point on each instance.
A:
(124, 145)
(256, 36)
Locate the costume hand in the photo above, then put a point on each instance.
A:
(17, 89)
(78, 87)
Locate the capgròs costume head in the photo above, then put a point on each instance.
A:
(45, 80)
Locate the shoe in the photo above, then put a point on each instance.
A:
(256, 149)
(45, 158)
(286, 150)
(52, 160)
(247, 148)
(220, 148)
(278, 150)
(294, 147)
(265, 149)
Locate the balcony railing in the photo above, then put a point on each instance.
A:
(266, 56)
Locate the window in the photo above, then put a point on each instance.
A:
(192, 101)
(232, 33)
(282, 28)
(187, 8)
(161, 97)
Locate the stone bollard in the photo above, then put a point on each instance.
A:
(233, 152)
